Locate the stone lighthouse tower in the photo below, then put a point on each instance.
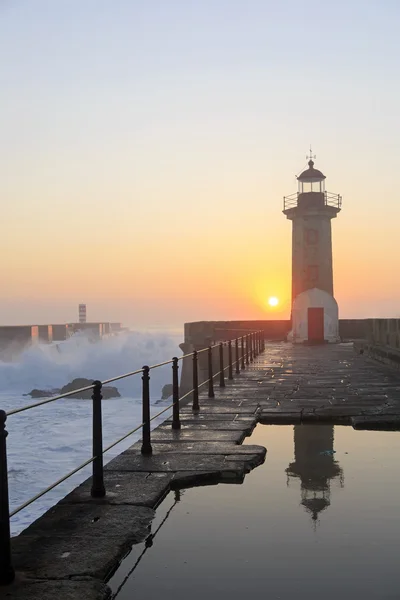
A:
(311, 210)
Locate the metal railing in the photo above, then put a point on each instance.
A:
(330, 199)
(246, 347)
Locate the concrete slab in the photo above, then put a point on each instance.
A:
(214, 448)
(141, 489)
(280, 418)
(201, 416)
(169, 463)
(190, 479)
(218, 425)
(60, 545)
(222, 409)
(252, 460)
(212, 434)
(377, 422)
(93, 521)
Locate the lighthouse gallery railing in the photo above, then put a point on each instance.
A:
(334, 200)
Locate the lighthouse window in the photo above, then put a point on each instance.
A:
(307, 187)
(311, 186)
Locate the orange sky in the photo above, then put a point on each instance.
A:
(145, 174)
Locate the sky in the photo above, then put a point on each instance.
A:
(146, 146)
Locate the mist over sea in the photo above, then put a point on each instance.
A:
(45, 443)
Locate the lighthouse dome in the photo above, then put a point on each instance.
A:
(311, 174)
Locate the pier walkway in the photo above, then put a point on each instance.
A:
(72, 550)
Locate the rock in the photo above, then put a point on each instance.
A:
(42, 393)
(166, 391)
(107, 391)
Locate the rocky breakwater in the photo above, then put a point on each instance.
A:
(107, 391)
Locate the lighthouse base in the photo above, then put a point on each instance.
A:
(315, 318)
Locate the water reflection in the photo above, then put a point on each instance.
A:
(314, 464)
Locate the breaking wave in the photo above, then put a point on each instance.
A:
(47, 442)
(49, 366)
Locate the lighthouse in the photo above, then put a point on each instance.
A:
(311, 210)
(314, 465)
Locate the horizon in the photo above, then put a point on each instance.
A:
(146, 150)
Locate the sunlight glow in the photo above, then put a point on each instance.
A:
(273, 301)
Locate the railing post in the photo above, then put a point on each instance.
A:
(195, 406)
(221, 365)
(243, 356)
(247, 349)
(256, 343)
(210, 374)
(7, 574)
(237, 368)
(230, 370)
(98, 490)
(176, 423)
(146, 441)
(251, 346)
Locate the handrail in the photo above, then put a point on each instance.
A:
(251, 345)
(105, 382)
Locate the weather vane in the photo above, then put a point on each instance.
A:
(311, 157)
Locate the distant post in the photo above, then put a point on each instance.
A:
(210, 373)
(176, 423)
(230, 369)
(98, 489)
(146, 443)
(7, 574)
(195, 406)
(221, 365)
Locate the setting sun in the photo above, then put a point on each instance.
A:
(273, 301)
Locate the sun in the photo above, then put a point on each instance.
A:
(273, 301)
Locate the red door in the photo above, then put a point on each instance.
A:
(316, 325)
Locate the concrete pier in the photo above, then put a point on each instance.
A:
(72, 550)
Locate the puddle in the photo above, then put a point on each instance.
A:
(320, 519)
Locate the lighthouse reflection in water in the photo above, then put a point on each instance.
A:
(315, 466)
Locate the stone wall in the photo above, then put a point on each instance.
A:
(353, 329)
(382, 341)
(384, 332)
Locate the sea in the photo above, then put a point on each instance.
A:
(47, 442)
